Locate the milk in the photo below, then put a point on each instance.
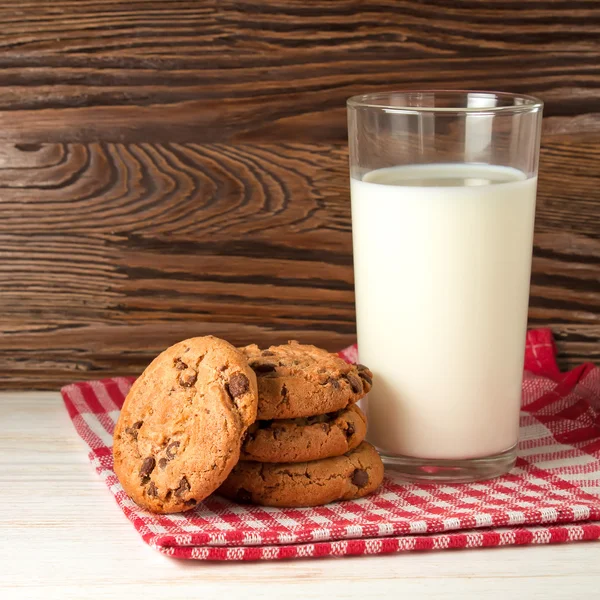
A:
(442, 260)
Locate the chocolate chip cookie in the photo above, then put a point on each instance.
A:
(180, 429)
(296, 380)
(305, 438)
(345, 477)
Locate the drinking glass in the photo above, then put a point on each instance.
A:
(443, 187)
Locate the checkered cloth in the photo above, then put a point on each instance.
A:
(553, 494)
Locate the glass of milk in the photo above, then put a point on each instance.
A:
(443, 188)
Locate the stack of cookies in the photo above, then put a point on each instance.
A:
(307, 446)
(192, 415)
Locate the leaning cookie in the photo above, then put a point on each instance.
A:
(305, 438)
(296, 380)
(180, 429)
(346, 477)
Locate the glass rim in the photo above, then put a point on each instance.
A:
(370, 100)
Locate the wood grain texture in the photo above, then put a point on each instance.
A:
(224, 71)
(177, 168)
(112, 252)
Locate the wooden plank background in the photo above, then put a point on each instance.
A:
(173, 168)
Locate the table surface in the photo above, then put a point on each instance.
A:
(50, 548)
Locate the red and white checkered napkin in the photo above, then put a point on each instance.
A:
(553, 495)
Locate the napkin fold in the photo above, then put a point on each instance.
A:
(552, 495)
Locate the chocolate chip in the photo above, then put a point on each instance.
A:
(267, 353)
(284, 392)
(179, 364)
(187, 378)
(147, 466)
(162, 463)
(325, 427)
(355, 383)
(334, 383)
(191, 502)
(361, 367)
(133, 430)
(360, 478)
(259, 367)
(363, 375)
(350, 431)
(151, 490)
(171, 450)
(184, 487)
(238, 385)
(243, 496)
(145, 479)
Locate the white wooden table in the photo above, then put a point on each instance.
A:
(62, 536)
